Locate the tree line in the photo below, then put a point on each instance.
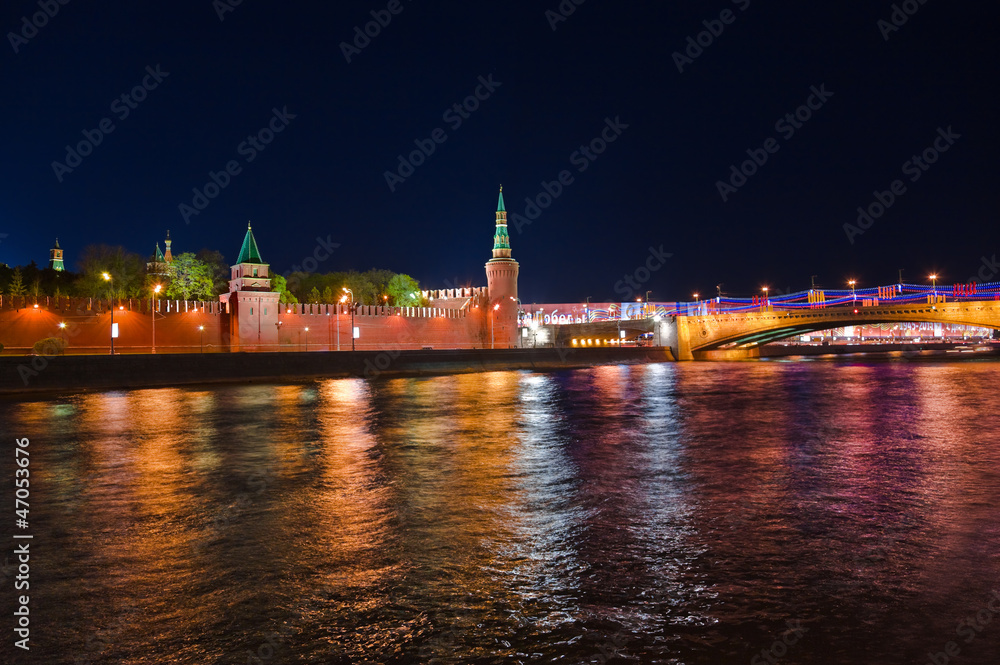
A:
(198, 276)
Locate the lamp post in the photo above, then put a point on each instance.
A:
(351, 293)
(307, 338)
(493, 326)
(934, 284)
(765, 290)
(201, 329)
(156, 292)
(107, 278)
(851, 283)
(338, 320)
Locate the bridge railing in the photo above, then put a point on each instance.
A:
(877, 296)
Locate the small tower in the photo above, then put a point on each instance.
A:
(253, 306)
(167, 256)
(159, 265)
(56, 258)
(501, 279)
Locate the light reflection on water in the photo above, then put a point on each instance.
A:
(674, 513)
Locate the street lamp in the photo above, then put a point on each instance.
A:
(152, 306)
(765, 290)
(493, 344)
(934, 283)
(201, 329)
(107, 278)
(307, 338)
(340, 302)
(851, 283)
(351, 293)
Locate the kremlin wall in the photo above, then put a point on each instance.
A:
(249, 318)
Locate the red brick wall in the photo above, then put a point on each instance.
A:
(88, 327)
(381, 328)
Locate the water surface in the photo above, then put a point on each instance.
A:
(829, 512)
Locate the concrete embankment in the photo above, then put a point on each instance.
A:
(24, 374)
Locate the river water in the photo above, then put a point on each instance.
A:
(818, 512)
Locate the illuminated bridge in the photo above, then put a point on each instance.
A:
(735, 328)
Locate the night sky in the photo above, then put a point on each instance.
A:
(549, 93)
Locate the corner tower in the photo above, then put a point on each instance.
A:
(501, 280)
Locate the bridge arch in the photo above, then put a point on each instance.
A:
(709, 332)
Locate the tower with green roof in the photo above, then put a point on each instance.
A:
(501, 279)
(158, 265)
(250, 272)
(252, 305)
(56, 258)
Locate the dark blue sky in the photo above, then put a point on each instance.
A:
(655, 185)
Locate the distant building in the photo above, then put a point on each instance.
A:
(56, 258)
(160, 263)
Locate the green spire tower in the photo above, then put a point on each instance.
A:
(250, 272)
(249, 252)
(252, 305)
(56, 258)
(501, 239)
(501, 279)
